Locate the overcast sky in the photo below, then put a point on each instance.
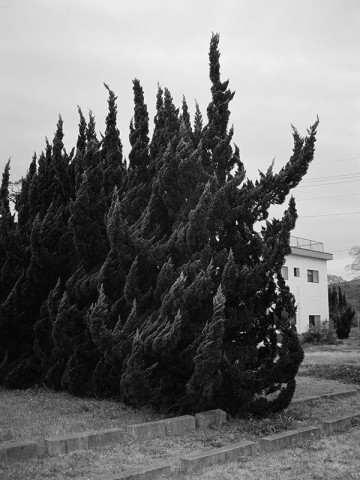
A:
(287, 60)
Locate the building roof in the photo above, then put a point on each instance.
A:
(309, 248)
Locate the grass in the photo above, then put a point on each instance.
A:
(91, 465)
(129, 453)
(334, 362)
(37, 413)
(330, 458)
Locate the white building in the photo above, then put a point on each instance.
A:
(305, 272)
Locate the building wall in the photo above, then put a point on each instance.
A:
(311, 298)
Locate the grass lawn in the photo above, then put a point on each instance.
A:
(336, 457)
(346, 352)
(334, 362)
(38, 413)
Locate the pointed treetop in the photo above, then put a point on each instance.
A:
(81, 140)
(185, 116)
(90, 131)
(4, 190)
(214, 57)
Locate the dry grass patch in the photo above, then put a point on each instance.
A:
(37, 413)
(333, 362)
(307, 385)
(129, 453)
(334, 457)
(331, 357)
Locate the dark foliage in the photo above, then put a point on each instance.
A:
(341, 312)
(154, 282)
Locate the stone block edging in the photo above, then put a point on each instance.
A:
(313, 398)
(147, 473)
(82, 441)
(18, 451)
(345, 393)
(338, 424)
(210, 418)
(96, 439)
(284, 439)
(195, 461)
(177, 425)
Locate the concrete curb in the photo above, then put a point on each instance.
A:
(345, 393)
(97, 439)
(284, 439)
(196, 461)
(177, 425)
(160, 428)
(338, 424)
(147, 473)
(82, 441)
(147, 430)
(18, 452)
(314, 398)
(272, 443)
(211, 418)
(308, 399)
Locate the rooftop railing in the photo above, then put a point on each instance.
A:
(306, 244)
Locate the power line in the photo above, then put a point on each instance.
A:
(322, 184)
(329, 215)
(332, 177)
(328, 196)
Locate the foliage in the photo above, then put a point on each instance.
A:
(320, 334)
(334, 279)
(354, 267)
(341, 313)
(158, 281)
(275, 423)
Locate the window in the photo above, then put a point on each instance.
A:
(285, 272)
(314, 320)
(296, 272)
(313, 276)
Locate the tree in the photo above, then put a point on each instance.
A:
(334, 279)
(206, 380)
(111, 149)
(198, 240)
(138, 181)
(9, 268)
(165, 291)
(354, 267)
(88, 211)
(340, 311)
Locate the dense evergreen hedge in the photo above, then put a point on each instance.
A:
(340, 311)
(150, 281)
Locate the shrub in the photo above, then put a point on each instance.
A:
(320, 334)
(341, 312)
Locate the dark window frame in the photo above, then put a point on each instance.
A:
(314, 320)
(313, 276)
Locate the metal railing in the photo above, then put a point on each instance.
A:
(306, 244)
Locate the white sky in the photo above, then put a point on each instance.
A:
(288, 61)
